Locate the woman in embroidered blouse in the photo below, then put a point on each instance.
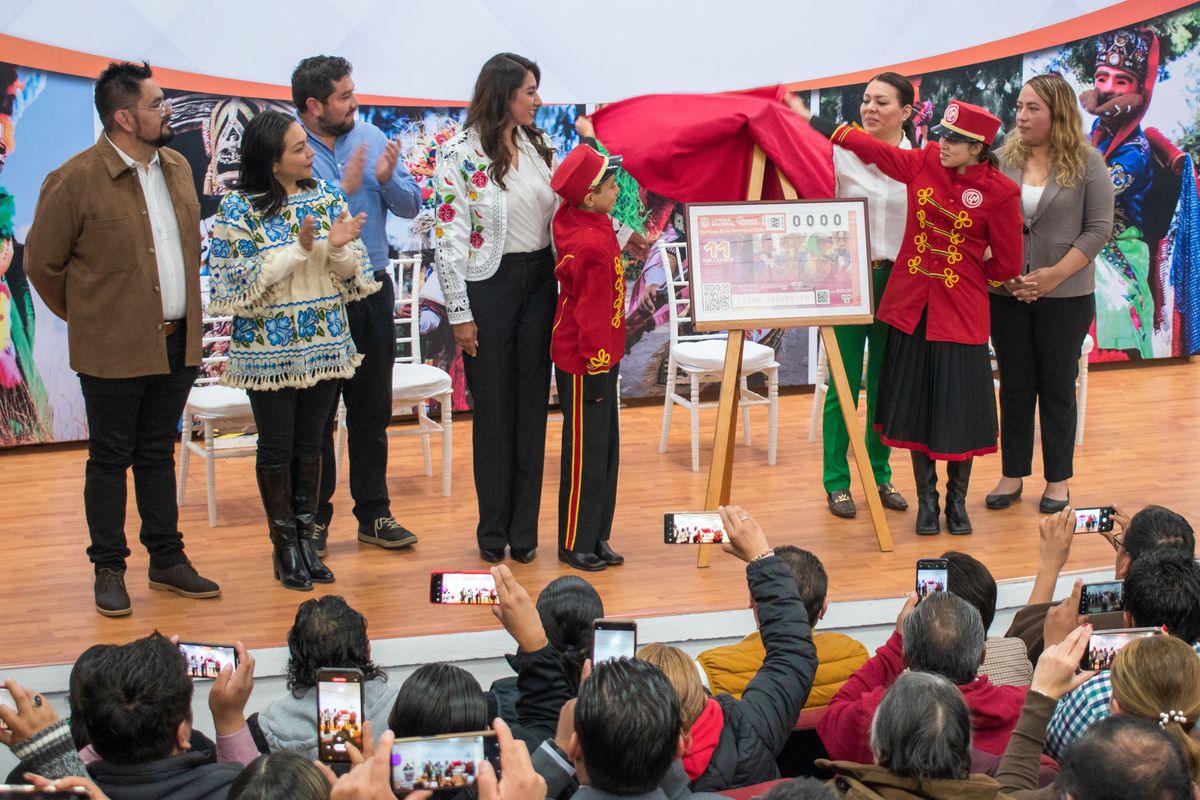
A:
(496, 269)
(284, 260)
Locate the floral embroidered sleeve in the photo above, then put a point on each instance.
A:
(242, 270)
(455, 231)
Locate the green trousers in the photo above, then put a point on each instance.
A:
(835, 438)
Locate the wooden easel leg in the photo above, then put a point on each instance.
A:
(837, 374)
(720, 472)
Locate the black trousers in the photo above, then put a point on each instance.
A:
(290, 422)
(591, 455)
(368, 398)
(509, 379)
(133, 422)
(1037, 352)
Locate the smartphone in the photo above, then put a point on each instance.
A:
(444, 764)
(1100, 598)
(6, 699)
(339, 712)
(26, 792)
(693, 527)
(613, 638)
(933, 575)
(462, 588)
(1094, 520)
(205, 661)
(1103, 646)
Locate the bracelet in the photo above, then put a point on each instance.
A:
(762, 555)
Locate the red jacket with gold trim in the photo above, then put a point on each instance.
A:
(952, 219)
(589, 324)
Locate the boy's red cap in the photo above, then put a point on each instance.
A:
(967, 123)
(582, 169)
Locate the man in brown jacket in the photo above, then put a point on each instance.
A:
(115, 251)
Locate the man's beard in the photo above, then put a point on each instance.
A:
(163, 138)
(336, 128)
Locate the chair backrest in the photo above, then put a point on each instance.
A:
(679, 306)
(408, 277)
(214, 346)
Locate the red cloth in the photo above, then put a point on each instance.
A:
(952, 219)
(698, 148)
(705, 733)
(589, 324)
(845, 729)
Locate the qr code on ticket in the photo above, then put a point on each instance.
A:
(717, 297)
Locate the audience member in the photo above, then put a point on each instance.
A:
(438, 698)
(280, 775)
(1005, 661)
(801, 789)
(1124, 757)
(1161, 589)
(327, 632)
(729, 669)
(943, 634)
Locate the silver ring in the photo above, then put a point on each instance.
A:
(743, 516)
(37, 700)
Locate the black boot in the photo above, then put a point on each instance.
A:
(928, 513)
(275, 486)
(306, 486)
(958, 477)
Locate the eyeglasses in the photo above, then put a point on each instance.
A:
(1115, 539)
(163, 110)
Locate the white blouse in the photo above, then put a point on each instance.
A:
(531, 203)
(887, 200)
(1030, 197)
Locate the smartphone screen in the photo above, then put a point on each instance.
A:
(462, 588)
(205, 661)
(1094, 520)
(933, 575)
(693, 527)
(24, 792)
(1101, 598)
(1104, 645)
(443, 764)
(6, 699)
(613, 638)
(339, 712)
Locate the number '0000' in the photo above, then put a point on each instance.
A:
(810, 220)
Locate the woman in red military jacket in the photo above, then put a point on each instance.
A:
(964, 230)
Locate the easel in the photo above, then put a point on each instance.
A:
(720, 473)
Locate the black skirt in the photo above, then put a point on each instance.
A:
(936, 397)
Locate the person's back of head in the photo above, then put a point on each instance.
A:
(1158, 678)
(1122, 757)
(627, 729)
(282, 775)
(327, 632)
(811, 580)
(84, 671)
(1163, 588)
(684, 676)
(968, 578)
(1155, 527)
(944, 635)
(800, 789)
(568, 606)
(922, 729)
(438, 698)
(137, 705)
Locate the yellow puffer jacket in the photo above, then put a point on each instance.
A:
(731, 667)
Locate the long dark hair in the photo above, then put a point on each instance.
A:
(327, 633)
(280, 774)
(262, 147)
(499, 80)
(907, 96)
(568, 606)
(438, 698)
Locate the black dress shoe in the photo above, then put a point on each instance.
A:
(492, 556)
(999, 501)
(183, 580)
(523, 555)
(891, 497)
(1052, 506)
(841, 504)
(588, 562)
(608, 555)
(111, 598)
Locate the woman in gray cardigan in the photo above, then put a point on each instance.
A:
(1040, 318)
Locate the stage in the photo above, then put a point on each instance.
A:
(1140, 447)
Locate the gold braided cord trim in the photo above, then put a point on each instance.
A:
(954, 236)
(995, 284)
(961, 219)
(600, 362)
(619, 300)
(947, 276)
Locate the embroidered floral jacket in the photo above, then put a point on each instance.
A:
(589, 324)
(471, 222)
(288, 306)
(952, 219)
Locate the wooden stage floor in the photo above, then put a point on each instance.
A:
(1142, 446)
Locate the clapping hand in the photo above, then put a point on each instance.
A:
(388, 159)
(352, 173)
(308, 233)
(345, 229)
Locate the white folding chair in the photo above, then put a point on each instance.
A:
(701, 358)
(213, 407)
(1081, 382)
(414, 383)
(822, 387)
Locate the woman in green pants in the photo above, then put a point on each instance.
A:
(887, 106)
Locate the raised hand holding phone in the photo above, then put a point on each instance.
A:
(28, 714)
(521, 781)
(517, 612)
(1057, 671)
(231, 691)
(747, 540)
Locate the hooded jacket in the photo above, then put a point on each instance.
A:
(188, 776)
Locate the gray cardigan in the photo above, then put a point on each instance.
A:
(1079, 216)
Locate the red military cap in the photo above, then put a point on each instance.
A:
(967, 123)
(582, 169)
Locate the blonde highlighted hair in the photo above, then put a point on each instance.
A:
(1068, 146)
(1158, 678)
(683, 674)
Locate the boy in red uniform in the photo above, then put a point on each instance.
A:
(587, 344)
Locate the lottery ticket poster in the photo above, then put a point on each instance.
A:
(779, 264)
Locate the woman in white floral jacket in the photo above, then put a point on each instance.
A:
(496, 269)
(284, 260)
